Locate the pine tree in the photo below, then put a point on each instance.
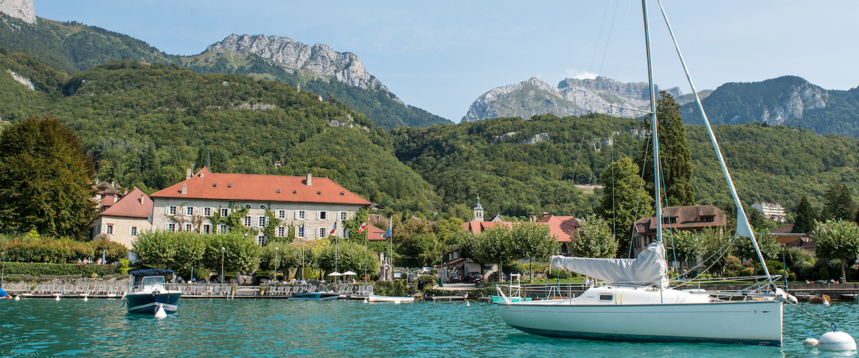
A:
(838, 205)
(45, 180)
(624, 201)
(805, 216)
(673, 152)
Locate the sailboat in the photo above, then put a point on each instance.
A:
(637, 304)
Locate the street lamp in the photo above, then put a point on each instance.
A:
(223, 249)
(275, 262)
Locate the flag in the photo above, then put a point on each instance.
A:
(333, 229)
(388, 233)
(363, 227)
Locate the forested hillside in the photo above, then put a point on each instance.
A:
(71, 47)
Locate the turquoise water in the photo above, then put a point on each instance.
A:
(276, 328)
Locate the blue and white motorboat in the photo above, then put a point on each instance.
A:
(319, 296)
(148, 291)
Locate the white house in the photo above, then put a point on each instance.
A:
(313, 205)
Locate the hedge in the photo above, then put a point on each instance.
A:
(41, 269)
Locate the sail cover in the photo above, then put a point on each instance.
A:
(649, 268)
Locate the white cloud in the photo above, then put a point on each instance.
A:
(581, 75)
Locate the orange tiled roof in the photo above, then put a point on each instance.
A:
(477, 227)
(252, 187)
(135, 204)
(684, 217)
(562, 227)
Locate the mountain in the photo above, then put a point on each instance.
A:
(571, 97)
(21, 9)
(788, 100)
(72, 47)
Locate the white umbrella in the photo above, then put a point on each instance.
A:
(335, 273)
(349, 273)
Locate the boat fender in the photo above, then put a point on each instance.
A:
(159, 313)
(836, 341)
(810, 341)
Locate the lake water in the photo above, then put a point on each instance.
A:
(276, 328)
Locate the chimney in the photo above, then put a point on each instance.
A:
(545, 213)
(142, 199)
(309, 179)
(184, 189)
(532, 217)
(188, 173)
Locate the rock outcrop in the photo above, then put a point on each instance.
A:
(319, 59)
(21, 9)
(570, 97)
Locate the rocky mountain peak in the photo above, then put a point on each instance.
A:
(21, 9)
(320, 59)
(570, 97)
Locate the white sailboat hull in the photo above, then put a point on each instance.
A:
(744, 322)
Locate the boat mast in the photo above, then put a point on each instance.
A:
(653, 132)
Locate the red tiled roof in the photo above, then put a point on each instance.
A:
(252, 187)
(477, 227)
(135, 204)
(375, 234)
(562, 227)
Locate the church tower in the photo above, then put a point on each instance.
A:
(478, 211)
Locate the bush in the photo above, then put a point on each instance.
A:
(391, 288)
(426, 281)
(41, 269)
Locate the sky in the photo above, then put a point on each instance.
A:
(442, 55)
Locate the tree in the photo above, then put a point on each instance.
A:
(682, 246)
(241, 253)
(805, 216)
(675, 158)
(769, 246)
(495, 245)
(838, 204)
(46, 181)
(623, 200)
(837, 240)
(594, 239)
(535, 242)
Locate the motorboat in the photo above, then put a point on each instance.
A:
(393, 299)
(148, 291)
(320, 296)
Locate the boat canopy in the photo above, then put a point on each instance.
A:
(151, 272)
(649, 268)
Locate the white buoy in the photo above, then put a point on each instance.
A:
(810, 341)
(86, 299)
(467, 304)
(58, 298)
(365, 300)
(836, 341)
(159, 313)
(396, 302)
(17, 298)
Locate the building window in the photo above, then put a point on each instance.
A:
(225, 212)
(207, 229)
(262, 240)
(132, 231)
(321, 232)
(189, 211)
(281, 231)
(171, 227)
(262, 221)
(299, 215)
(300, 230)
(171, 210)
(322, 215)
(207, 211)
(281, 214)
(246, 221)
(343, 215)
(108, 229)
(223, 228)
(188, 227)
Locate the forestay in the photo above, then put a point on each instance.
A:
(649, 268)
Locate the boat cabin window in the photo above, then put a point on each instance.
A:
(607, 297)
(152, 280)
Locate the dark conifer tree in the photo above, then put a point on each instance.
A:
(673, 151)
(838, 204)
(805, 216)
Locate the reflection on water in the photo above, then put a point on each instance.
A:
(275, 328)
